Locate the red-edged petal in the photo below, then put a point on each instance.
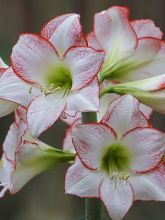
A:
(2, 64)
(143, 56)
(67, 143)
(12, 88)
(156, 66)
(117, 197)
(150, 186)
(105, 102)
(84, 100)
(93, 42)
(147, 111)
(13, 139)
(146, 28)
(81, 181)
(124, 115)
(112, 28)
(64, 31)
(44, 111)
(84, 63)
(32, 56)
(91, 141)
(146, 146)
(71, 119)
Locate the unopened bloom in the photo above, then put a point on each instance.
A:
(150, 92)
(134, 50)
(25, 157)
(119, 160)
(60, 64)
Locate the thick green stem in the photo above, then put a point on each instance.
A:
(93, 207)
(94, 210)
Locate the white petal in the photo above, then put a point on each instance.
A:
(13, 139)
(116, 31)
(124, 115)
(84, 63)
(32, 56)
(13, 89)
(67, 143)
(44, 111)
(146, 28)
(134, 67)
(82, 182)
(150, 186)
(93, 42)
(105, 102)
(70, 119)
(84, 100)
(146, 146)
(91, 141)
(2, 64)
(27, 165)
(6, 107)
(6, 170)
(147, 111)
(117, 197)
(63, 32)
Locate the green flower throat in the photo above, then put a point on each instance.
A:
(116, 160)
(58, 77)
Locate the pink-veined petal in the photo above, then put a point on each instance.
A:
(32, 56)
(146, 28)
(63, 32)
(71, 119)
(124, 115)
(84, 100)
(146, 146)
(93, 42)
(44, 111)
(82, 182)
(149, 186)
(84, 63)
(117, 197)
(116, 31)
(12, 88)
(13, 139)
(105, 102)
(147, 111)
(91, 141)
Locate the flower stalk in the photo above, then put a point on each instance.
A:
(93, 206)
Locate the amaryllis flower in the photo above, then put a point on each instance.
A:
(60, 64)
(118, 161)
(127, 103)
(134, 50)
(149, 91)
(13, 90)
(25, 157)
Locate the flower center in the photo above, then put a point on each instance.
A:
(57, 77)
(116, 161)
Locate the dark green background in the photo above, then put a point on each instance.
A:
(43, 198)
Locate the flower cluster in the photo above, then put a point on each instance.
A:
(116, 71)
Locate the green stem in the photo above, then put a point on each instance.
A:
(93, 206)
